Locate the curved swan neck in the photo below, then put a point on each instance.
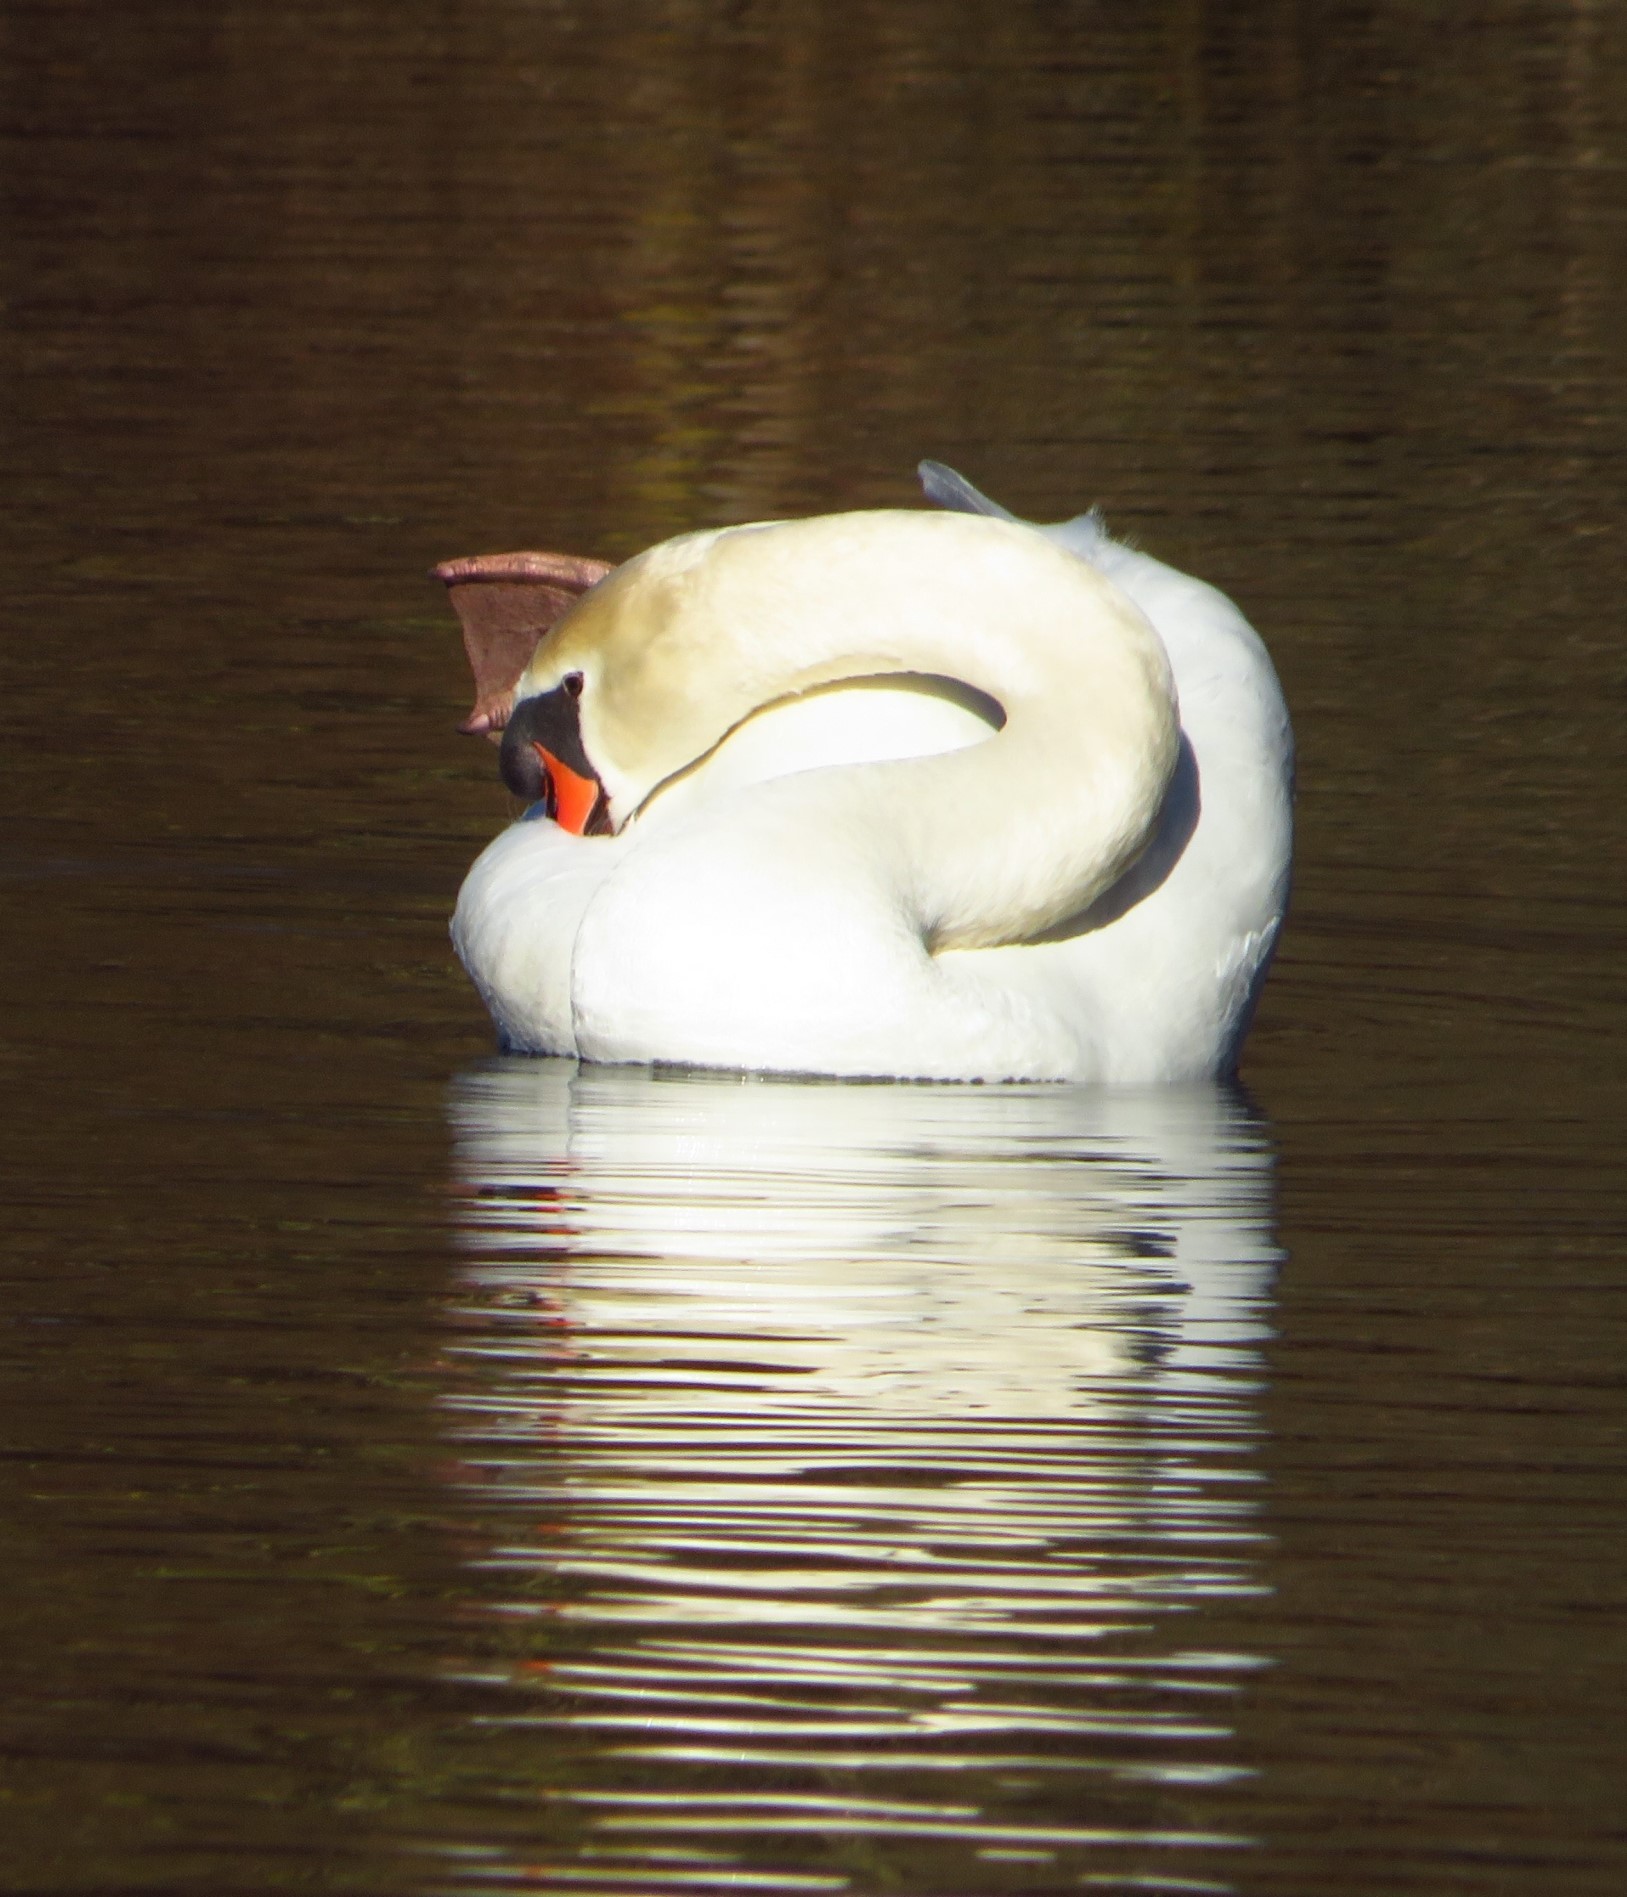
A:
(991, 844)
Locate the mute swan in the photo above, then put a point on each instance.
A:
(915, 795)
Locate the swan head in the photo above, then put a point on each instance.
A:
(650, 671)
(639, 649)
(543, 759)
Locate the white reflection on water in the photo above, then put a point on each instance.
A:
(864, 1450)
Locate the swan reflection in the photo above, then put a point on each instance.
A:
(851, 1461)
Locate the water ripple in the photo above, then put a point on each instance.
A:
(849, 1465)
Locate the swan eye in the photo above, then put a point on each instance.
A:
(573, 684)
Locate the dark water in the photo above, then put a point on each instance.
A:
(431, 1474)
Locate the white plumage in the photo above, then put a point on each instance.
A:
(901, 794)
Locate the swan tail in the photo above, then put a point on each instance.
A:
(1085, 536)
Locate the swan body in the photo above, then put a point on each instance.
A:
(920, 795)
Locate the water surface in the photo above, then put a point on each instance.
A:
(860, 1462)
(426, 1473)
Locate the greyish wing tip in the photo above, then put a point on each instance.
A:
(945, 488)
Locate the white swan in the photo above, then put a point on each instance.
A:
(890, 794)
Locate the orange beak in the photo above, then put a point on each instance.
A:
(575, 797)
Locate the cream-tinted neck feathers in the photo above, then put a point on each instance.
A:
(995, 843)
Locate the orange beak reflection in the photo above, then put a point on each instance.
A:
(575, 798)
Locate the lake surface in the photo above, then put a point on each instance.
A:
(430, 1473)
